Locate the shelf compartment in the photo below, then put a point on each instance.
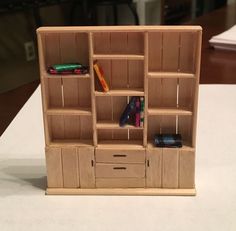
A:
(171, 93)
(114, 125)
(169, 111)
(122, 74)
(69, 111)
(68, 92)
(69, 127)
(121, 92)
(185, 147)
(163, 75)
(65, 48)
(170, 124)
(118, 43)
(168, 51)
(120, 136)
(118, 56)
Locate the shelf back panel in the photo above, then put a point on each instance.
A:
(65, 48)
(122, 74)
(172, 51)
(70, 127)
(76, 92)
(118, 43)
(54, 92)
(170, 125)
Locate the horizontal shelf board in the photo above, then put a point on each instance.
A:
(114, 125)
(122, 191)
(121, 92)
(71, 76)
(169, 111)
(123, 28)
(171, 75)
(69, 111)
(186, 147)
(119, 56)
(70, 142)
(120, 144)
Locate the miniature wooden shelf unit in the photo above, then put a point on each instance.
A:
(86, 150)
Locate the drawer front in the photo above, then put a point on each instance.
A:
(120, 156)
(120, 170)
(120, 182)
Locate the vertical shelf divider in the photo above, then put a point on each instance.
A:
(93, 103)
(197, 74)
(145, 88)
(43, 87)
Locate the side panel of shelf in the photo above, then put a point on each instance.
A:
(186, 169)
(44, 87)
(197, 55)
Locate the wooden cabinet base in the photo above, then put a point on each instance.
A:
(126, 191)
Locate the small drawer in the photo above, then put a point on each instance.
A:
(120, 170)
(120, 182)
(120, 156)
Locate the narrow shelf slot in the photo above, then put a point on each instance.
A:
(114, 125)
(120, 144)
(169, 111)
(118, 56)
(69, 111)
(49, 76)
(180, 75)
(186, 146)
(71, 142)
(121, 92)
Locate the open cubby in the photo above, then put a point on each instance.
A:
(122, 74)
(170, 124)
(87, 152)
(120, 43)
(171, 51)
(65, 48)
(68, 93)
(69, 128)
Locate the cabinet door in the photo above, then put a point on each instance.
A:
(70, 168)
(154, 168)
(170, 168)
(186, 169)
(54, 167)
(86, 167)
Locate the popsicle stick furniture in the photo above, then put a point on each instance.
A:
(86, 150)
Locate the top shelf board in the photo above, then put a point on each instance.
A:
(91, 29)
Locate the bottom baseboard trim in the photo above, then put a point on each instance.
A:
(122, 191)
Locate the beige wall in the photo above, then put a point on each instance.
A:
(16, 29)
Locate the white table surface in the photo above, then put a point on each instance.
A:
(24, 206)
